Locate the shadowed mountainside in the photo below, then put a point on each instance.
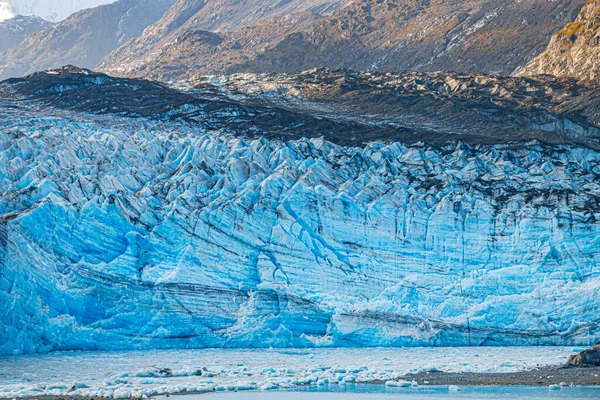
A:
(84, 38)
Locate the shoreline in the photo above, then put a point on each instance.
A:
(543, 376)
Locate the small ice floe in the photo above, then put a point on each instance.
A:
(78, 385)
(323, 381)
(453, 388)
(554, 387)
(269, 386)
(204, 389)
(398, 383)
(191, 372)
(286, 385)
(115, 380)
(56, 386)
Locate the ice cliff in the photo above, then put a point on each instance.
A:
(130, 233)
(133, 215)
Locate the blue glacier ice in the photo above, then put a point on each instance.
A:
(123, 233)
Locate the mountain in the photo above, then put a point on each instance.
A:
(181, 218)
(14, 30)
(489, 36)
(199, 52)
(172, 42)
(493, 36)
(53, 10)
(573, 50)
(83, 38)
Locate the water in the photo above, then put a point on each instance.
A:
(125, 374)
(380, 392)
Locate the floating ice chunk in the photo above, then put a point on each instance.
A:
(269, 386)
(191, 372)
(398, 383)
(55, 386)
(453, 388)
(554, 387)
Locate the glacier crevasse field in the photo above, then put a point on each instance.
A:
(128, 234)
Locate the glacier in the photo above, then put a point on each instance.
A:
(131, 233)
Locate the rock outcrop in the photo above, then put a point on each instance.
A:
(589, 357)
(573, 51)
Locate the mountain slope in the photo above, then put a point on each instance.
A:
(199, 52)
(490, 36)
(191, 17)
(573, 50)
(14, 30)
(494, 36)
(84, 38)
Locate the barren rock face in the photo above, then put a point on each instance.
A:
(590, 357)
(573, 50)
(195, 36)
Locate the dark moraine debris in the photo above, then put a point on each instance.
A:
(345, 107)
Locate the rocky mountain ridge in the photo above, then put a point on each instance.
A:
(53, 10)
(180, 39)
(202, 33)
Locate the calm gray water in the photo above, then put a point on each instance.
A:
(379, 392)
